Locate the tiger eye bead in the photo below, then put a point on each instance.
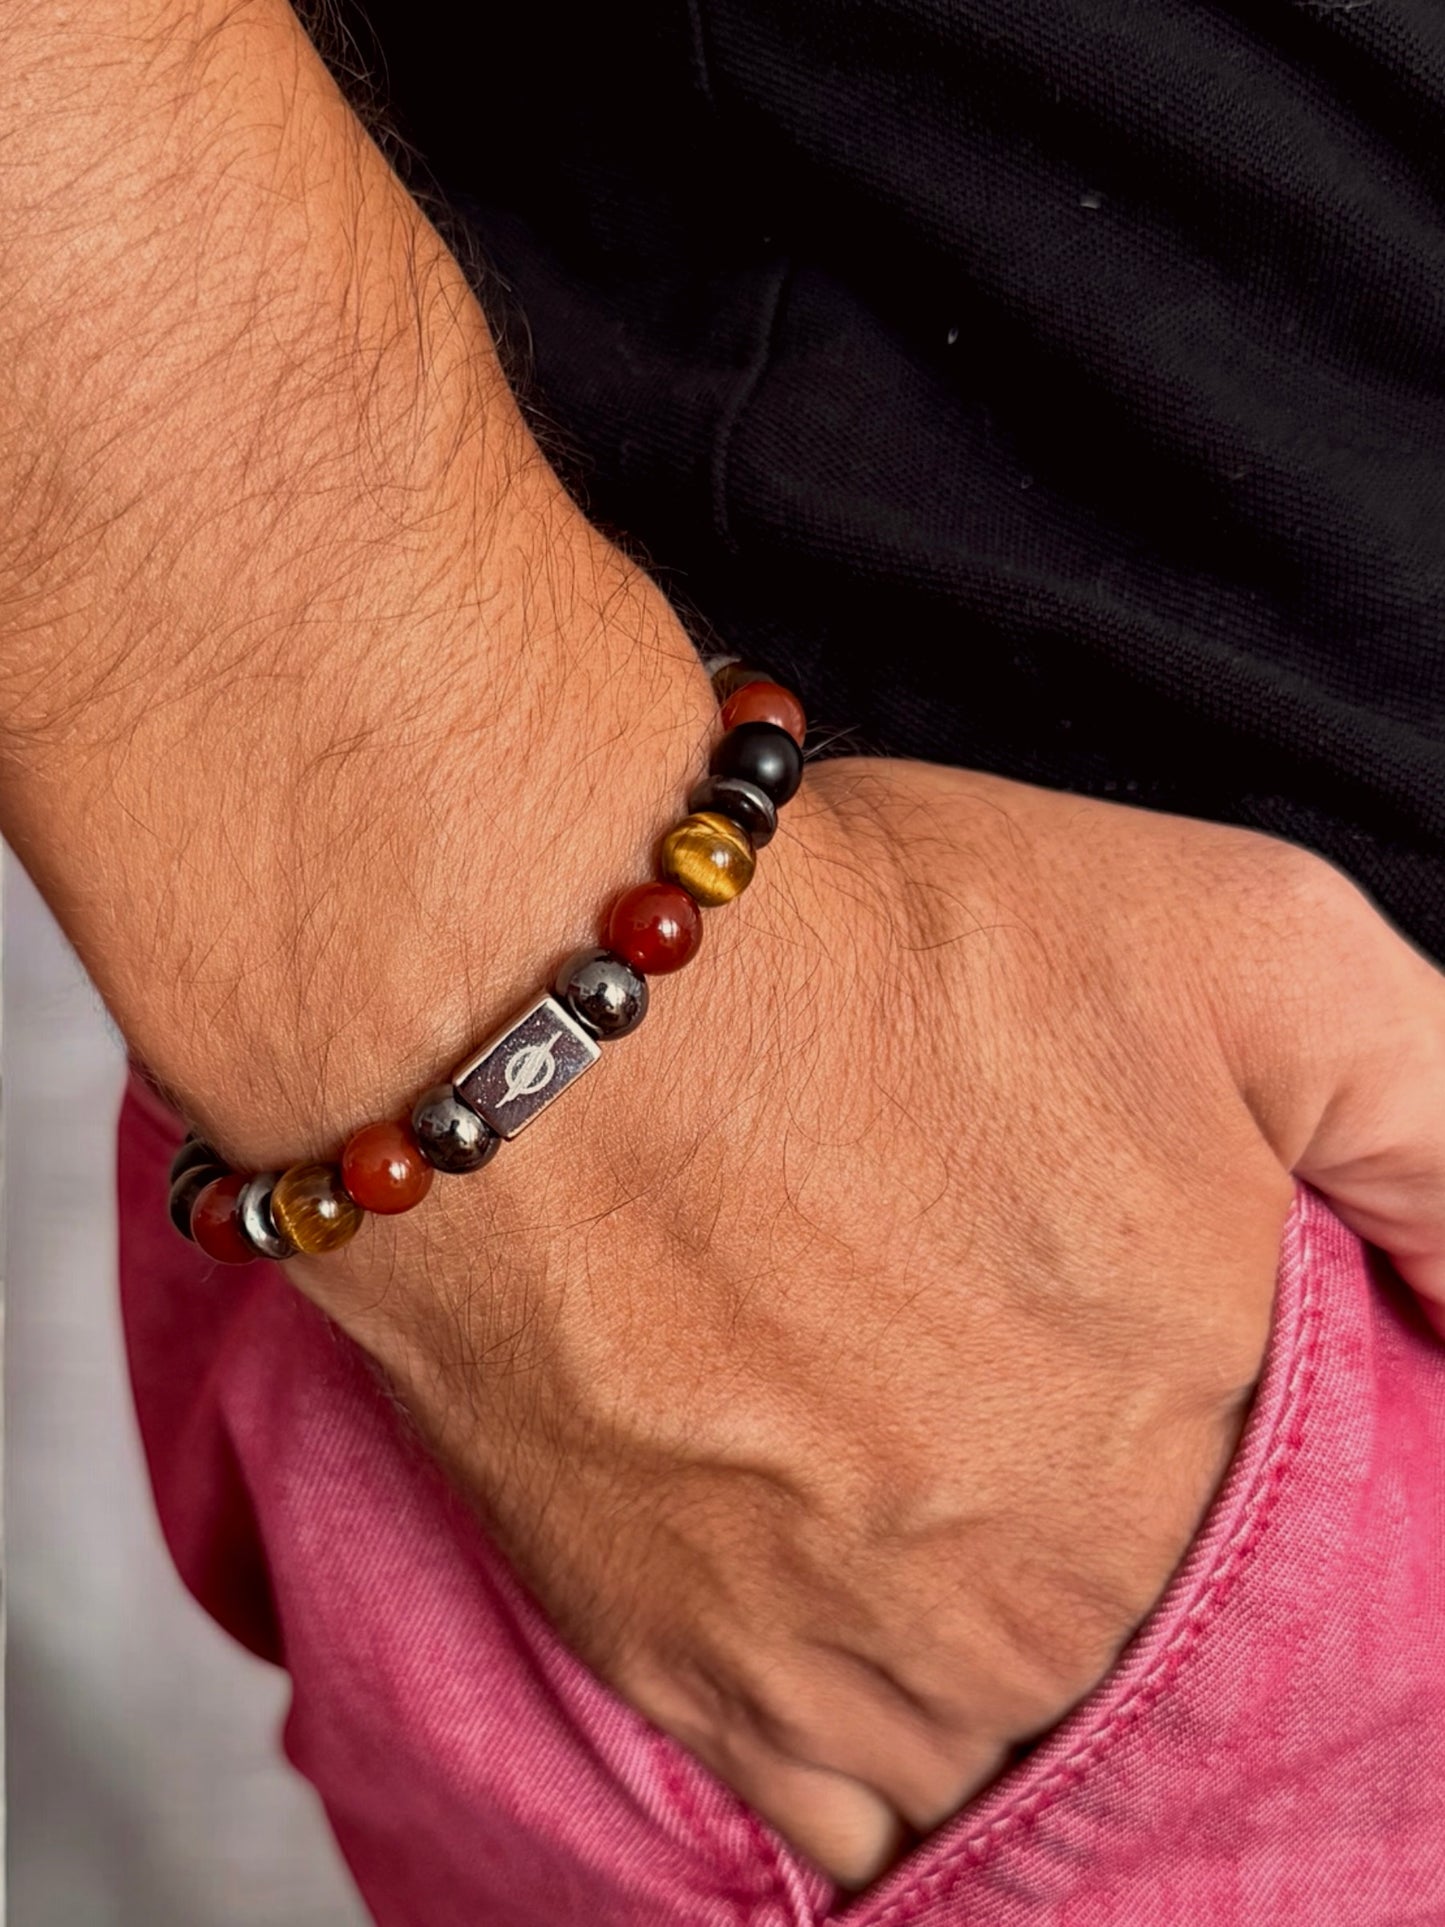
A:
(765, 702)
(709, 856)
(311, 1209)
(383, 1170)
(216, 1224)
(655, 927)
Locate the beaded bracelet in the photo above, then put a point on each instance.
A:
(599, 993)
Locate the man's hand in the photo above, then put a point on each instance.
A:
(848, 1363)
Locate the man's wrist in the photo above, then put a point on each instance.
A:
(358, 919)
(323, 713)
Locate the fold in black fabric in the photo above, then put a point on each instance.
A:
(1055, 386)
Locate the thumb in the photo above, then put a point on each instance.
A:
(1375, 1146)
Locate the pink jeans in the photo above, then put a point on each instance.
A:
(1270, 1748)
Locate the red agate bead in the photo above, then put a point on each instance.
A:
(766, 702)
(655, 927)
(731, 674)
(383, 1169)
(216, 1224)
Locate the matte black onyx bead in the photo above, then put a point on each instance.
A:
(192, 1153)
(741, 803)
(763, 755)
(451, 1135)
(187, 1188)
(602, 991)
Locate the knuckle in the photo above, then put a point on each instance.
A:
(1310, 885)
(1286, 887)
(715, 1704)
(766, 1704)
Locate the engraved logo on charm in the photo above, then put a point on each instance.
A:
(516, 1074)
(529, 1070)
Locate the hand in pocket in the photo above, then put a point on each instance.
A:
(849, 1369)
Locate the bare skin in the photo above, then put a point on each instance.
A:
(848, 1362)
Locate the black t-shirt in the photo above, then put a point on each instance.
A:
(1054, 386)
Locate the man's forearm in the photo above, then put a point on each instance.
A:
(321, 707)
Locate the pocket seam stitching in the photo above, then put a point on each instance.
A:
(1257, 1509)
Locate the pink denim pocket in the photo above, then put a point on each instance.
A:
(1271, 1747)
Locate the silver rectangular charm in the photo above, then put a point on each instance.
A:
(514, 1076)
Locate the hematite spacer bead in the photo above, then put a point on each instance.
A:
(710, 857)
(253, 1213)
(763, 755)
(451, 1136)
(186, 1188)
(192, 1153)
(742, 803)
(602, 991)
